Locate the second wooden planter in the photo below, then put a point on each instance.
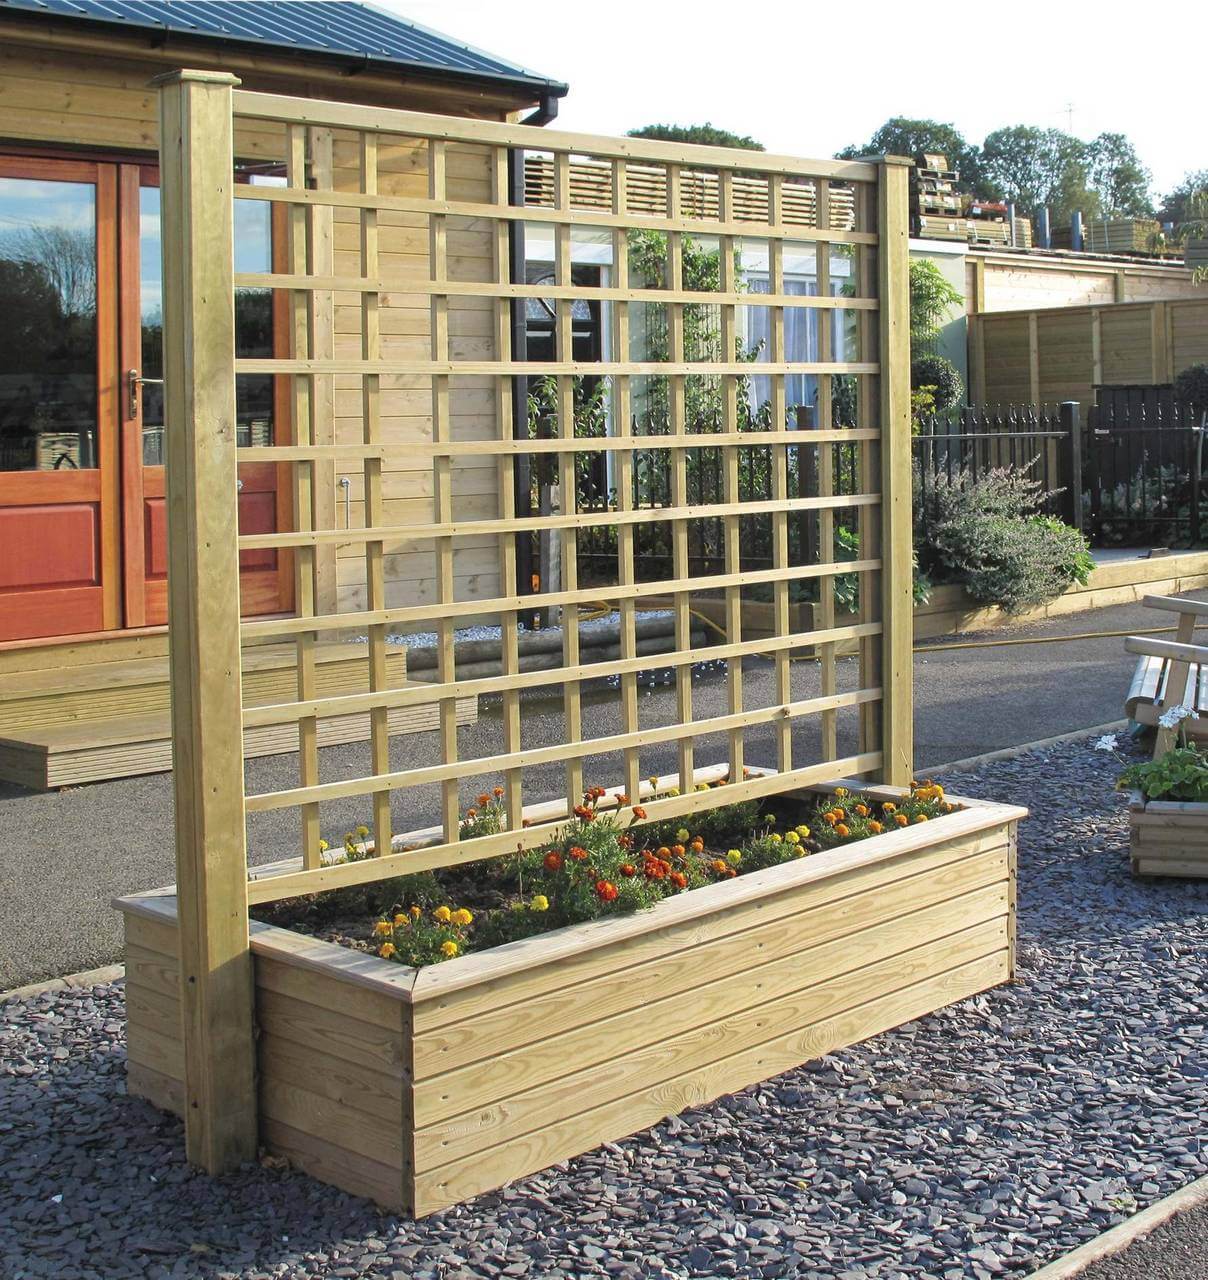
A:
(422, 1088)
(1167, 837)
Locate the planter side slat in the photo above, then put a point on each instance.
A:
(759, 935)
(716, 1031)
(1168, 838)
(649, 1103)
(663, 935)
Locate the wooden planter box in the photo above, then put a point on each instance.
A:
(422, 1088)
(1167, 837)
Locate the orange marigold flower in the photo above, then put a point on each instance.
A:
(471, 813)
(921, 818)
(638, 812)
(484, 800)
(697, 845)
(606, 891)
(875, 827)
(622, 798)
(677, 850)
(498, 792)
(627, 869)
(901, 819)
(678, 879)
(862, 810)
(526, 822)
(841, 830)
(625, 841)
(840, 814)
(655, 870)
(553, 861)
(577, 852)
(662, 852)
(719, 865)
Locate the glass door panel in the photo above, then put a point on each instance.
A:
(58, 517)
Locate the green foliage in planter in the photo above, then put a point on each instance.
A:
(1181, 774)
(938, 375)
(987, 535)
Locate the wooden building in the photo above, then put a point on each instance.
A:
(82, 520)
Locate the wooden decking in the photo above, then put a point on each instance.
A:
(69, 723)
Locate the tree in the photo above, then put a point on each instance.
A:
(1119, 178)
(902, 136)
(1034, 167)
(705, 135)
(932, 297)
(1186, 202)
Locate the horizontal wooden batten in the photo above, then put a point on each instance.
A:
(577, 520)
(260, 802)
(752, 439)
(552, 292)
(418, 614)
(418, 694)
(420, 369)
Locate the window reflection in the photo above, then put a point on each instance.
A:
(48, 354)
(253, 324)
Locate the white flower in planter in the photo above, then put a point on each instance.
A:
(1171, 719)
(1106, 743)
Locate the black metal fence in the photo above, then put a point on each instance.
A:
(1130, 477)
(1144, 463)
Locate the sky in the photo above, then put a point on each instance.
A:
(806, 79)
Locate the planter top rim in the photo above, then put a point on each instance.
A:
(433, 981)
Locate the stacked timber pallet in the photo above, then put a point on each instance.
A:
(937, 206)
(62, 726)
(1123, 235)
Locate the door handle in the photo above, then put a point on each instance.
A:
(134, 380)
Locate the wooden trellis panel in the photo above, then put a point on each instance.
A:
(440, 239)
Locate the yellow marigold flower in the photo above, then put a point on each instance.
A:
(803, 831)
(674, 791)
(462, 916)
(889, 806)
(840, 791)
(792, 837)
(386, 950)
(416, 912)
(443, 914)
(449, 949)
(382, 927)
(323, 846)
(735, 856)
(682, 835)
(702, 786)
(921, 818)
(539, 903)
(775, 837)
(362, 831)
(400, 918)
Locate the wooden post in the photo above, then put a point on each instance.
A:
(216, 992)
(897, 615)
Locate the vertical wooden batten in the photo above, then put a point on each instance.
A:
(897, 729)
(216, 980)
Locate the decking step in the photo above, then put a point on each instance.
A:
(68, 754)
(34, 700)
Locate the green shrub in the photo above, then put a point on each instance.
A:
(1191, 387)
(939, 374)
(985, 534)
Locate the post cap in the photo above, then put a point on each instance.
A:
(199, 77)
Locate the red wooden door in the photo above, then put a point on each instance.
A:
(264, 581)
(59, 494)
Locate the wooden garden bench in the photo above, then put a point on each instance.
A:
(1170, 673)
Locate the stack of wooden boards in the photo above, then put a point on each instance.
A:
(70, 723)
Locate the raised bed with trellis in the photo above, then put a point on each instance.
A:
(421, 1087)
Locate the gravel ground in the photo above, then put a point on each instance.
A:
(982, 1141)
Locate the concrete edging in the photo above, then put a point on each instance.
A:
(1009, 753)
(1118, 1238)
(86, 978)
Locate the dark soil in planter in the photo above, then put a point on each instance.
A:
(499, 892)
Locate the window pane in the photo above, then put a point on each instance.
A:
(48, 391)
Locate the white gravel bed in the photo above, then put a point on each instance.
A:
(982, 1141)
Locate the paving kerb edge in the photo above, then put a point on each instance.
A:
(1118, 1238)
